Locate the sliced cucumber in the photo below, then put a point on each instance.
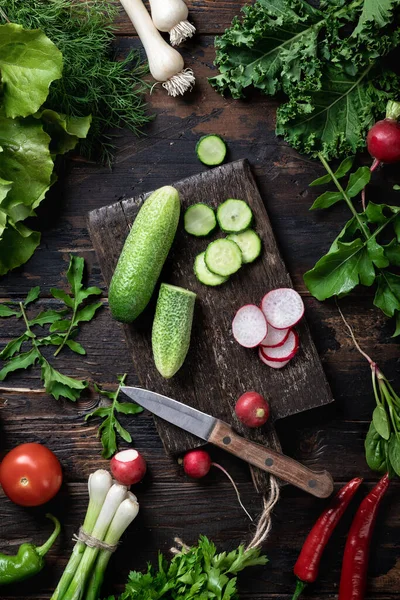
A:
(211, 150)
(199, 220)
(223, 257)
(203, 273)
(249, 242)
(234, 216)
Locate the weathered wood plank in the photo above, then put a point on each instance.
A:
(217, 371)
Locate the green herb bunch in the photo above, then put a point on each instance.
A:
(27, 349)
(195, 573)
(93, 80)
(330, 63)
(110, 425)
(382, 443)
(359, 254)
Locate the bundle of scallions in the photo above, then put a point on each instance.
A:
(111, 509)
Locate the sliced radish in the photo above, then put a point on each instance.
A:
(284, 352)
(249, 326)
(275, 337)
(283, 308)
(275, 364)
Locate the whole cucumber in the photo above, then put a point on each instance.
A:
(172, 328)
(144, 253)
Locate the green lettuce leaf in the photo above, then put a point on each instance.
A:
(335, 119)
(29, 62)
(65, 132)
(17, 244)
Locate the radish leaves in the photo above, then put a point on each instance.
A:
(357, 255)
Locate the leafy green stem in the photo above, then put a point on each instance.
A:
(68, 333)
(349, 203)
(30, 333)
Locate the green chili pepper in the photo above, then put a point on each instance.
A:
(29, 559)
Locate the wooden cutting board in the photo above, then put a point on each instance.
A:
(217, 370)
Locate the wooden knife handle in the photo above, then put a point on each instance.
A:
(318, 484)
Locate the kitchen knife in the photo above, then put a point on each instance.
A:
(221, 434)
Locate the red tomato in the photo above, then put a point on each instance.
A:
(30, 474)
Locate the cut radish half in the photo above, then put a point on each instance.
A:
(275, 337)
(249, 326)
(283, 308)
(275, 364)
(284, 352)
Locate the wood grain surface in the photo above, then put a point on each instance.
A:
(170, 503)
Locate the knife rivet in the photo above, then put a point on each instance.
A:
(269, 462)
(227, 440)
(312, 483)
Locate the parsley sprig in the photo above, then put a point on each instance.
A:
(27, 349)
(196, 573)
(110, 426)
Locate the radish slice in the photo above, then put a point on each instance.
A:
(275, 364)
(284, 352)
(283, 308)
(249, 326)
(275, 337)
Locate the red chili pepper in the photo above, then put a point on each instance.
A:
(356, 553)
(307, 565)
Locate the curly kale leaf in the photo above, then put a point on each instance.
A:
(335, 119)
(379, 12)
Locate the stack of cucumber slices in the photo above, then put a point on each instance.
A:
(223, 257)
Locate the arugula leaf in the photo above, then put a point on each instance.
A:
(33, 295)
(111, 426)
(74, 301)
(13, 347)
(326, 200)
(335, 119)
(7, 311)
(340, 172)
(26, 56)
(377, 11)
(21, 361)
(59, 385)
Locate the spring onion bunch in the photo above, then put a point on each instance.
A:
(111, 509)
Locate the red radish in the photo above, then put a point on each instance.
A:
(285, 352)
(383, 139)
(275, 337)
(249, 326)
(252, 409)
(283, 308)
(128, 467)
(197, 464)
(275, 364)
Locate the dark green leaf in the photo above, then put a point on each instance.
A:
(108, 438)
(60, 326)
(17, 245)
(392, 252)
(378, 11)
(86, 292)
(106, 393)
(387, 296)
(75, 274)
(50, 340)
(59, 385)
(376, 253)
(47, 317)
(6, 311)
(76, 347)
(381, 422)
(126, 436)
(358, 181)
(102, 411)
(344, 167)
(128, 408)
(394, 453)
(375, 213)
(87, 312)
(397, 330)
(13, 347)
(326, 200)
(375, 450)
(20, 361)
(339, 271)
(61, 295)
(321, 180)
(33, 295)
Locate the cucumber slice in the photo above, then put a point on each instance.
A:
(204, 275)
(234, 216)
(199, 220)
(249, 242)
(211, 150)
(223, 257)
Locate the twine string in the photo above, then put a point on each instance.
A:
(93, 542)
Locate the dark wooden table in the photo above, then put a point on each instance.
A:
(171, 504)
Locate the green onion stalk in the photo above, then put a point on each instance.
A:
(99, 485)
(126, 513)
(115, 496)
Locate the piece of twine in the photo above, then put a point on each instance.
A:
(93, 542)
(264, 524)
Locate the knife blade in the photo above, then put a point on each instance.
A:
(221, 434)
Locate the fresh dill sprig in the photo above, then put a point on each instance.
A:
(94, 81)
